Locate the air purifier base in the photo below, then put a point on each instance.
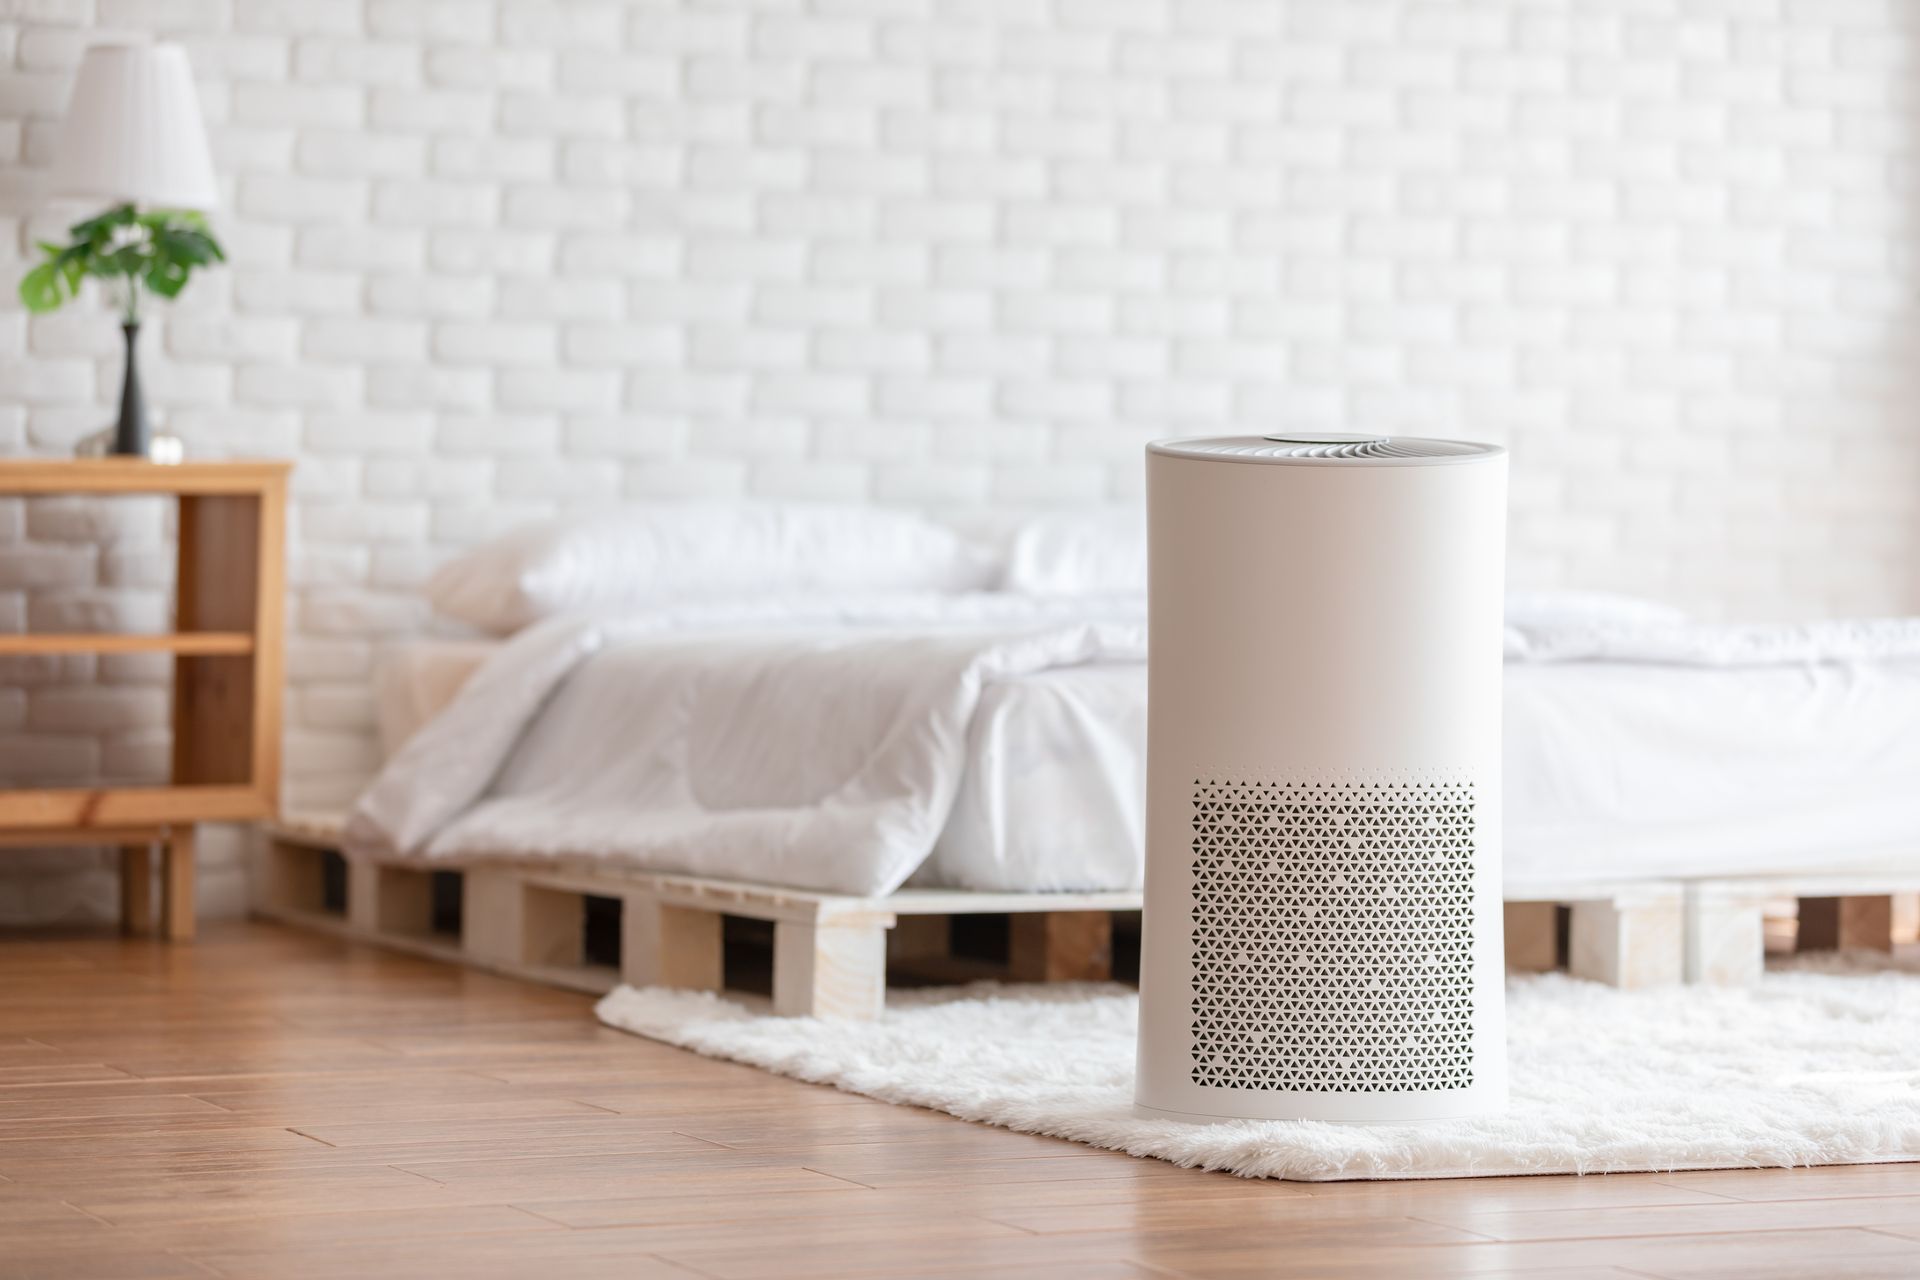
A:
(1475, 1111)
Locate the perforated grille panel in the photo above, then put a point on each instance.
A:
(1333, 928)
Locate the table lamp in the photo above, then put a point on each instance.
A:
(133, 136)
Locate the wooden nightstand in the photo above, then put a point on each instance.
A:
(229, 617)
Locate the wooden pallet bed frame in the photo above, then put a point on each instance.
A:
(527, 920)
(830, 952)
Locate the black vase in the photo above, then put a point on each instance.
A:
(131, 435)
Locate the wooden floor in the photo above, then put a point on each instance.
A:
(269, 1104)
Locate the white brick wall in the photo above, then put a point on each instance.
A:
(497, 256)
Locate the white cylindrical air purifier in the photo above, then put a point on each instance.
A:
(1323, 929)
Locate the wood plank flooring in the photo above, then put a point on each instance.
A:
(268, 1104)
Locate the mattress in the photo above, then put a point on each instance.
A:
(1630, 770)
(1613, 771)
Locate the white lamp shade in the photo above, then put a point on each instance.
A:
(133, 131)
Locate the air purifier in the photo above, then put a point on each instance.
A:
(1322, 934)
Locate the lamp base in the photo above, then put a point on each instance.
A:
(132, 435)
(163, 447)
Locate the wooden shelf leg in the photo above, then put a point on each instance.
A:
(1061, 946)
(136, 889)
(177, 903)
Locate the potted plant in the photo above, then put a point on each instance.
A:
(131, 251)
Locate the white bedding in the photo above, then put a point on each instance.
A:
(1629, 769)
(1614, 770)
(1653, 751)
(816, 743)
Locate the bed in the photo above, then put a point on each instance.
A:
(840, 718)
(1620, 768)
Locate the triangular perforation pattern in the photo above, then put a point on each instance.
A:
(1333, 932)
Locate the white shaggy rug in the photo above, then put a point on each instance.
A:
(1817, 1065)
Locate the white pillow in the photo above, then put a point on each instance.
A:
(631, 559)
(1538, 610)
(1080, 553)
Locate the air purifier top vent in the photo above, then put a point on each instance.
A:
(1328, 447)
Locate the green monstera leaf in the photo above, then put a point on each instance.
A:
(158, 250)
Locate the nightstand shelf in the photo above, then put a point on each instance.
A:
(191, 642)
(226, 649)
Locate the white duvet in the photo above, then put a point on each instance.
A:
(840, 744)
(824, 755)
